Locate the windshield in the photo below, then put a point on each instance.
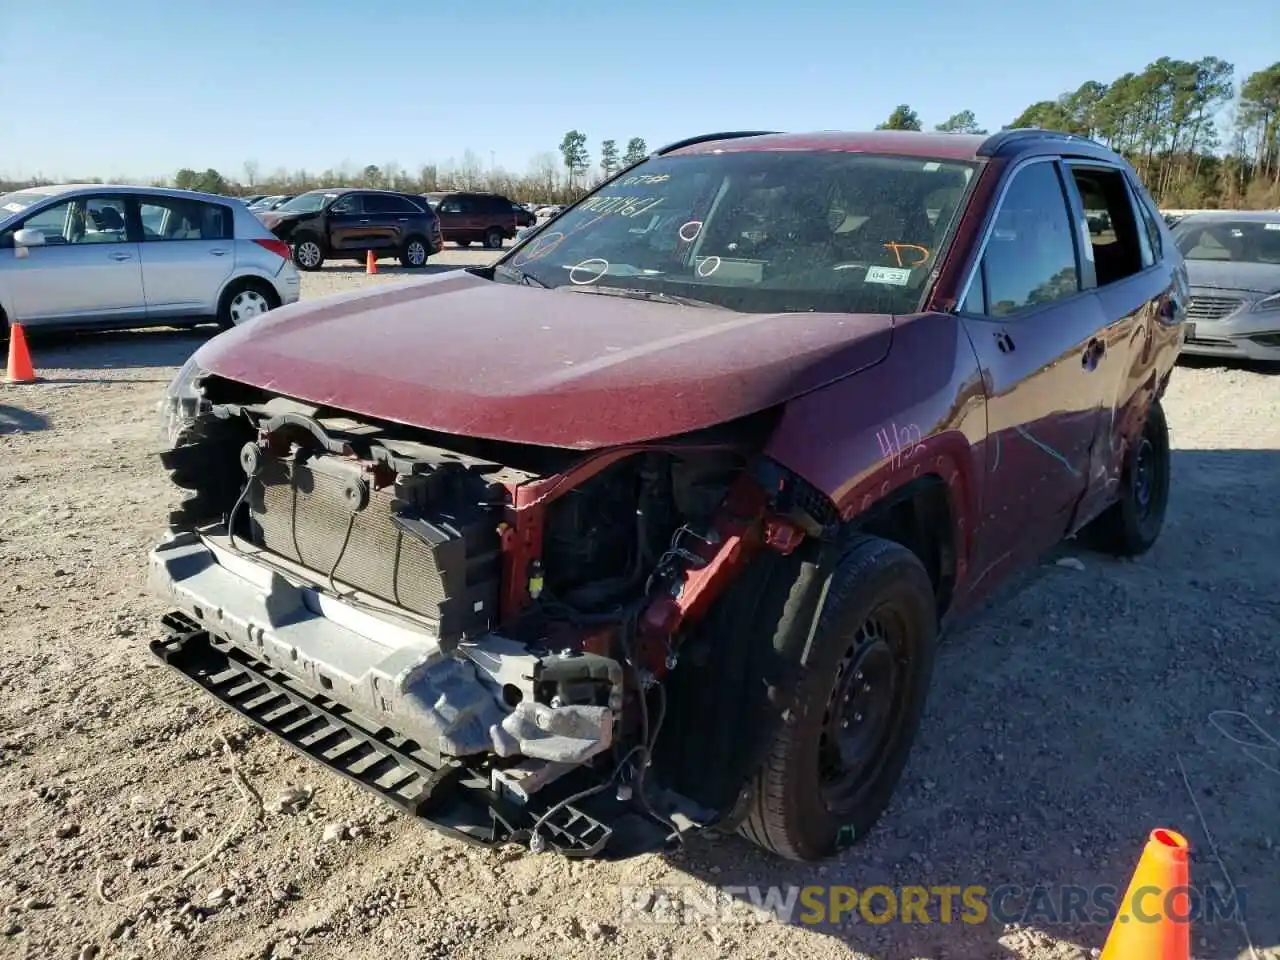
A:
(307, 202)
(758, 232)
(1236, 241)
(19, 200)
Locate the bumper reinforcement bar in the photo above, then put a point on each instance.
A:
(447, 795)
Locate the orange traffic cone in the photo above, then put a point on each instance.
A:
(20, 369)
(370, 263)
(1153, 922)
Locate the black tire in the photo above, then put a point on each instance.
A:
(4, 330)
(1131, 526)
(228, 306)
(873, 650)
(308, 252)
(463, 243)
(414, 253)
(493, 238)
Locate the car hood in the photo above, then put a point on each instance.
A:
(1255, 277)
(458, 354)
(273, 218)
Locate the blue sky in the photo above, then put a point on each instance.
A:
(140, 88)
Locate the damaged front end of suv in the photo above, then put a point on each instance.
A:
(514, 643)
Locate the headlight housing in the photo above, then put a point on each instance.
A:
(182, 403)
(1268, 303)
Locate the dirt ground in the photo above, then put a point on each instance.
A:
(1082, 708)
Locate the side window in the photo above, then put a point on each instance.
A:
(350, 203)
(1031, 256)
(82, 220)
(1114, 234)
(166, 218)
(377, 203)
(400, 205)
(451, 205)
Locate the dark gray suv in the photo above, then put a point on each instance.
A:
(351, 221)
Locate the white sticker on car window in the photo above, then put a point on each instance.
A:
(1271, 226)
(895, 276)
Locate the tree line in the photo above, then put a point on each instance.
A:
(1196, 139)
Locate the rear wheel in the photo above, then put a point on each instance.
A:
(493, 239)
(463, 243)
(308, 254)
(832, 768)
(245, 300)
(414, 253)
(4, 330)
(1131, 526)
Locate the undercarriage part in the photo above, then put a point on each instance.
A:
(572, 734)
(455, 797)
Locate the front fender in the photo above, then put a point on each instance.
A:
(919, 413)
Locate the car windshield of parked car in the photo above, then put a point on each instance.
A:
(1236, 241)
(307, 202)
(757, 232)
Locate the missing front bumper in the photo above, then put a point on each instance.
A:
(453, 797)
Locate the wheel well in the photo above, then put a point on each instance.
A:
(919, 517)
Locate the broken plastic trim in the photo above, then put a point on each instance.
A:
(447, 795)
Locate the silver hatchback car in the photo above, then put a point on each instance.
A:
(97, 256)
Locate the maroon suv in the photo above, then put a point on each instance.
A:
(488, 218)
(653, 526)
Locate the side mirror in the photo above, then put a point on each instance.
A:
(29, 238)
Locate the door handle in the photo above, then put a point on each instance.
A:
(404, 219)
(120, 257)
(218, 252)
(1093, 353)
(364, 221)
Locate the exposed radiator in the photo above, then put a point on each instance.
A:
(425, 544)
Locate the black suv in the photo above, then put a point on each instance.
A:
(351, 221)
(469, 217)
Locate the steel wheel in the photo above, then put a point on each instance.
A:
(246, 305)
(864, 711)
(1144, 477)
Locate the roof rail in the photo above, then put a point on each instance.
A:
(703, 138)
(1002, 138)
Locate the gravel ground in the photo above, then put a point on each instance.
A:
(141, 821)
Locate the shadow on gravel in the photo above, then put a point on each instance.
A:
(17, 420)
(114, 350)
(1263, 367)
(1072, 714)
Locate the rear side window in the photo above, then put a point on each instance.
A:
(387, 203)
(170, 218)
(1031, 256)
(1151, 222)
